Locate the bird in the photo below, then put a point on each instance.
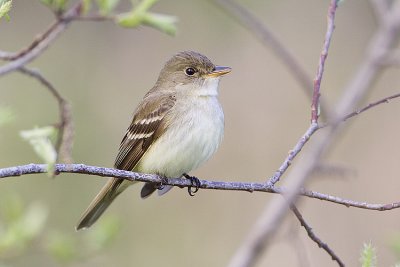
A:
(177, 126)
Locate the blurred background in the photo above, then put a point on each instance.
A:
(104, 70)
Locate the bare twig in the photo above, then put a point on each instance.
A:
(314, 237)
(367, 107)
(347, 202)
(371, 105)
(315, 104)
(40, 44)
(292, 154)
(259, 236)
(294, 240)
(205, 184)
(65, 127)
(273, 214)
(370, 68)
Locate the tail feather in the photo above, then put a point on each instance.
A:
(150, 187)
(101, 202)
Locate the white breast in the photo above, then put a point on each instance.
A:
(191, 139)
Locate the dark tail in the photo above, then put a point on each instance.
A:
(101, 202)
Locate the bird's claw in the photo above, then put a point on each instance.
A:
(195, 184)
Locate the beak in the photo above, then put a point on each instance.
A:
(219, 71)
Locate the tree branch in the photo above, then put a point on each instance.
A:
(292, 154)
(276, 209)
(265, 227)
(65, 126)
(315, 104)
(180, 182)
(268, 39)
(259, 236)
(40, 44)
(315, 238)
(371, 105)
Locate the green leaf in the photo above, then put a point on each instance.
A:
(130, 20)
(140, 15)
(39, 138)
(368, 256)
(5, 7)
(164, 23)
(106, 6)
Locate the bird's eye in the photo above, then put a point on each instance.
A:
(190, 71)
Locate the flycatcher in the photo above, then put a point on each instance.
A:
(177, 126)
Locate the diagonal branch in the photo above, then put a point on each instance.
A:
(271, 218)
(292, 154)
(315, 104)
(384, 100)
(40, 44)
(314, 237)
(371, 105)
(65, 126)
(268, 39)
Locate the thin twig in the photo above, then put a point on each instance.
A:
(40, 44)
(315, 105)
(314, 237)
(65, 135)
(367, 107)
(72, 15)
(273, 214)
(292, 154)
(204, 184)
(369, 69)
(294, 240)
(347, 202)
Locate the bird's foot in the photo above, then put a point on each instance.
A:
(192, 189)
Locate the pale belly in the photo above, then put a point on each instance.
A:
(184, 147)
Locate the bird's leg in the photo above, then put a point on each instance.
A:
(195, 183)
